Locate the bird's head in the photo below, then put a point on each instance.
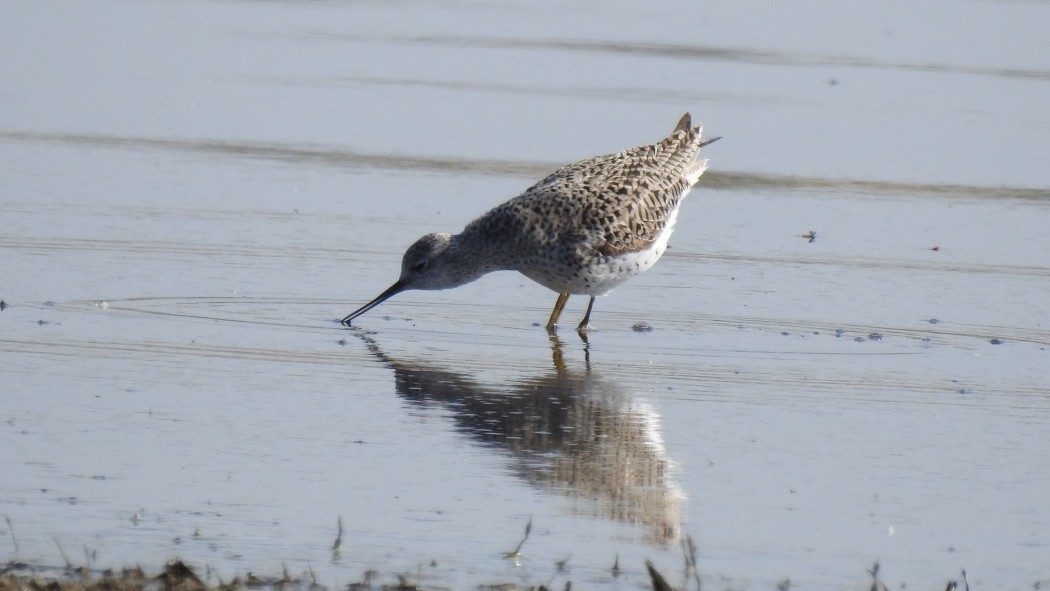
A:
(432, 262)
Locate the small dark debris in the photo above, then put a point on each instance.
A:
(178, 576)
(42, 322)
(839, 332)
(785, 333)
(859, 339)
(3, 305)
(996, 341)
(658, 581)
(934, 321)
(642, 327)
(875, 336)
(811, 235)
(936, 249)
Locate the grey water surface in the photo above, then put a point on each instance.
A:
(850, 336)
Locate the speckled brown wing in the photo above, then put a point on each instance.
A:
(620, 203)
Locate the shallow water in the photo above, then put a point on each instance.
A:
(194, 192)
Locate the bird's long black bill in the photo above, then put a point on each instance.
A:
(710, 141)
(390, 291)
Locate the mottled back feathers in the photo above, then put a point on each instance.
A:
(607, 205)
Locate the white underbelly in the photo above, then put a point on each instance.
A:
(606, 273)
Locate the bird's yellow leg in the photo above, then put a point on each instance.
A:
(556, 313)
(585, 324)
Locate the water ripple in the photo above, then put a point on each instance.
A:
(346, 157)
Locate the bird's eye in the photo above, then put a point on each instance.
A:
(417, 267)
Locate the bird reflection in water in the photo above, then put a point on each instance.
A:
(569, 432)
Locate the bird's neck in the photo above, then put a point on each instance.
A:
(481, 250)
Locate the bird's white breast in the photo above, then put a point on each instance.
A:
(607, 273)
